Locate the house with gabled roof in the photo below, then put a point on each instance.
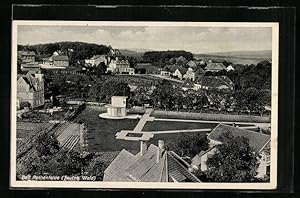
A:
(174, 70)
(32, 66)
(30, 88)
(214, 82)
(191, 64)
(258, 141)
(96, 60)
(193, 73)
(230, 68)
(187, 84)
(179, 71)
(60, 61)
(214, 67)
(153, 164)
(26, 56)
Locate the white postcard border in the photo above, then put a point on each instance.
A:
(147, 185)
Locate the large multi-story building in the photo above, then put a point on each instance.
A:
(120, 66)
(30, 88)
(26, 56)
(60, 60)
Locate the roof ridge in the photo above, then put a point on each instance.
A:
(249, 131)
(196, 178)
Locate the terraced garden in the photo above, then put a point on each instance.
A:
(68, 135)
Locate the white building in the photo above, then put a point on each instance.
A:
(120, 66)
(117, 108)
(96, 60)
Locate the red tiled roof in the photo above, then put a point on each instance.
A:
(256, 140)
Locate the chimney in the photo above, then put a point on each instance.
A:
(143, 147)
(160, 149)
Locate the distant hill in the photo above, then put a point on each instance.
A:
(238, 57)
(132, 53)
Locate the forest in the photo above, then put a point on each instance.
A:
(162, 57)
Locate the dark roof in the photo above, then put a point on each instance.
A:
(192, 64)
(199, 71)
(116, 170)
(145, 168)
(181, 58)
(181, 69)
(215, 82)
(256, 140)
(29, 82)
(60, 58)
(215, 66)
(173, 68)
(177, 169)
(188, 83)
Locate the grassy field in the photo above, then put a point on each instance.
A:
(101, 132)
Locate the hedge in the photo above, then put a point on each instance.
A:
(210, 116)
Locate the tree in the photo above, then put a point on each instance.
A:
(24, 104)
(264, 97)
(141, 95)
(163, 94)
(178, 98)
(233, 161)
(95, 91)
(100, 69)
(46, 145)
(96, 167)
(188, 144)
(200, 100)
(239, 98)
(251, 98)
(114, 88)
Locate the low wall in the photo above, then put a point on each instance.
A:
(210, 116)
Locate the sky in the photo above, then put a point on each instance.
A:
(192, 39)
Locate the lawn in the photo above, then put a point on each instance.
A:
(101, 132)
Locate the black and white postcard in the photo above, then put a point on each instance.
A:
(160, 105)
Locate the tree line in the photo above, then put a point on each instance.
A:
(162, 58)
(75, 50)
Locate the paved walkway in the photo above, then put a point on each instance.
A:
(146, 117)
(167, 78)
(261, 125)
(179, 131)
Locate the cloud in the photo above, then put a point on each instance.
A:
(194, 39)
